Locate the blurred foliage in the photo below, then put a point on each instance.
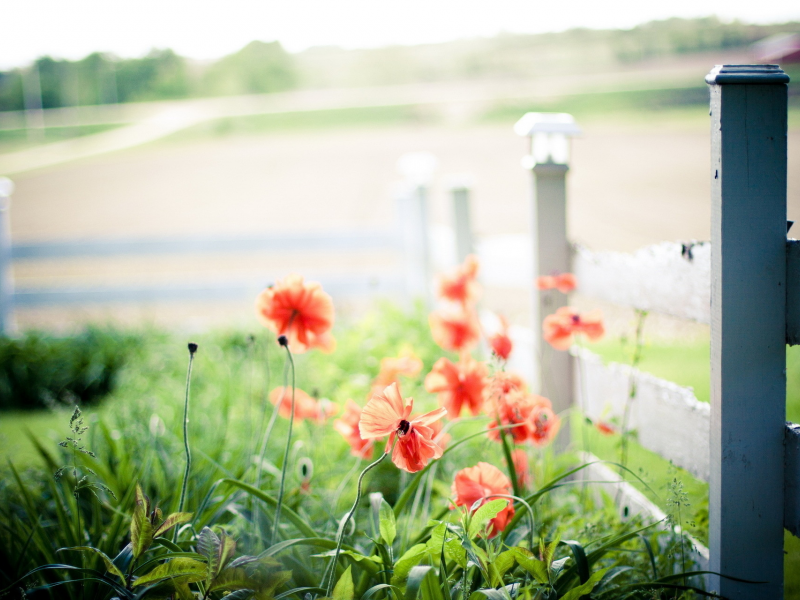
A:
(41, 371)
(263, 67)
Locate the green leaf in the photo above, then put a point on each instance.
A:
(141, 528)
(585, 588)
(503, 593)
(171, 521)
(484, 514)
(580, 559)
(422, 581)
(388, 524)
(404, 564)
(503, 562)
(209, 544)
(344, 589)
(110, 566)
(233, 579)
(185, 569)
(528, 561)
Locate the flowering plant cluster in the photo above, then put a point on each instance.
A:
(490, 536)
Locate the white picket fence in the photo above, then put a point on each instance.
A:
(745, 283)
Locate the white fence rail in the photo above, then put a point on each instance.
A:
(667, 417)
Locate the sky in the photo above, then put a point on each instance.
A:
(204, 29)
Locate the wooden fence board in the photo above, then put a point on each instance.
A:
(668, 419)
(668, 278)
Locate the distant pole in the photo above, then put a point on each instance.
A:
(460, 189)
(412, 201)
(748, 328)
(548, 163)
(6, 280)
(32, 96)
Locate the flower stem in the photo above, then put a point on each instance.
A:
(192, 350)
(278, 508)
(641, 315)
(343, 524)
(512, 471)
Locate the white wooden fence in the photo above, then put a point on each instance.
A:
(745, 283)
(407, 239)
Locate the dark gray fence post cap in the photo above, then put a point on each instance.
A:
(747, 74)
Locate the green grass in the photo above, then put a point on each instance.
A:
(18, 139)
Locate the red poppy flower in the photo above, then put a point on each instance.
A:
(544, 425)
(563, 282)
(347, 425)
(305, 407)
(500, 342)
(520, 459)
(388, 414)
(476, 485)
(559, 329)
(458, 384)
(462, 286)
(407, 365)
(300, 311)
(455, 331)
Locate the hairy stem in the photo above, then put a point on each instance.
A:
(343, 524)
(278, 508)
(186, 435)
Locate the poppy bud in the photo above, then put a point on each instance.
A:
(283, 341)
(192, 347)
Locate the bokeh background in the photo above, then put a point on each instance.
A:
(116, 142)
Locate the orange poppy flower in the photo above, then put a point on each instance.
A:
(305, 407)
(439, 436)
(498, 386)
(458, 384)
(559, 329)
(455, 331)
(388, 414)
(516, 408)
(462, 286)
(476, 484)
(563, 282)
(347, 425)
(500, 342)
(544, 425)
(407, 365)
(520, 460)
(605, 428)
(300, 311)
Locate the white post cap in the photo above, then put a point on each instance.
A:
(532, 123)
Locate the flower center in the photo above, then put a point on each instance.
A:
(576, 319)
(403, 428)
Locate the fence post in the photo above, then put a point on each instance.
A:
(748, 328)
(548, 163)
(460, 192)
(412, 204)
(6, 280)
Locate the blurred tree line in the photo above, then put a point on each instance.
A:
(262, 67)
(161, 75)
